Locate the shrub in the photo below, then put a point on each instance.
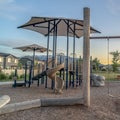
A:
(22, 76)
(3, 76)
(11, 75)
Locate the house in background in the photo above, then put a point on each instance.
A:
(8, 61)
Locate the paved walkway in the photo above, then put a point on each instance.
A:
(6, 83)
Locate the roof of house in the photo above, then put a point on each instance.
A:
(7, 55)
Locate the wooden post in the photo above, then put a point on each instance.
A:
(86, 58)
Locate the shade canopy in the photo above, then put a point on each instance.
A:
(46, 26)
(33, 47)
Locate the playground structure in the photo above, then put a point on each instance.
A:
(27, 72)
(40, 75)
(25, 82)
(34, 48)
(58, 84)
(70, 28)
(75, 74)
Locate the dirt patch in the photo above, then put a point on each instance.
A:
(102, 106)
(117, 104)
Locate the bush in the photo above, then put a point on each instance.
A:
(11, 75)
(22, 76)
(3, 76)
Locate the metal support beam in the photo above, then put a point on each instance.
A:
(25, 79)
(72, 31)
(67, 61)
(56, 42)
(73, 55)
(54, 26)
(33, 62)
(47, 52)
(105, 37)
(37, 23)
(55, 53)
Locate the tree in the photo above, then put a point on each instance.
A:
(115, 60)
(19, 65)
(96, 63)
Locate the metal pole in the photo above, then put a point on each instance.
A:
(77, 76)
(91, 70)
(73, 55)
(25, 74)
(47, 51)
(55, 53)
(105, 37)
(33, 61)
(86, 58)
(30, 73)
(56, 43)
(53, 56)
(60, 63)
(108, 64)
(67, 72)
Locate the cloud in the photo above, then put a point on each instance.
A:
(6, 1)
(114, 6)
(9, 9)
(8, 16)
(12, 42)
(12, 8)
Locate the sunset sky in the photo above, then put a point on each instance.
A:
(105, 17)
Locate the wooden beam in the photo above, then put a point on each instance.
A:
(86, 58)
(61, 101)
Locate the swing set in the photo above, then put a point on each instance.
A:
(108, 51)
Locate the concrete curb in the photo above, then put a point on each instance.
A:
(40, 103)
(20, 106)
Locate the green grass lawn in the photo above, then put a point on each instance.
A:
(10, 80)
(6, 78)
(108, 75)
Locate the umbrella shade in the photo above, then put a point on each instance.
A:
(40, 24)
(33, 47)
